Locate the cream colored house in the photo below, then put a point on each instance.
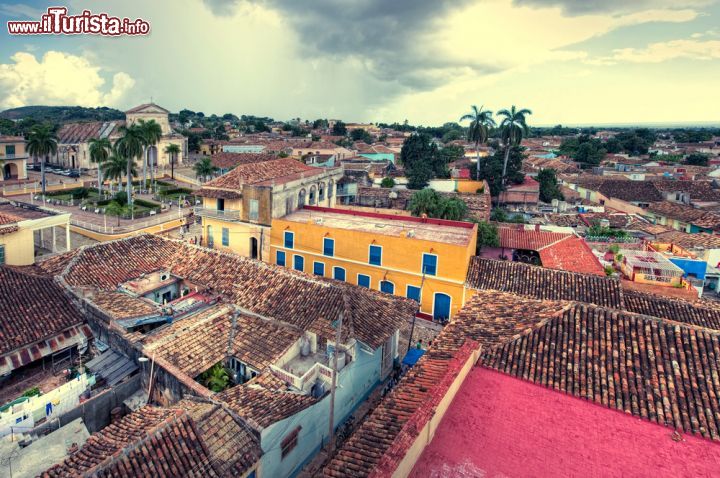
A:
(25, 230)
(13, 158)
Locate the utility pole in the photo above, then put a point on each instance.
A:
(333, 386)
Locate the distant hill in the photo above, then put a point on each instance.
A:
(62, 114)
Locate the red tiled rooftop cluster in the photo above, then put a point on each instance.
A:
(32, 308)
(257, 172)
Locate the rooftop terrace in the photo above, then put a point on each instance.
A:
(436, 230)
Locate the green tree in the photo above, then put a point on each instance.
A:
(320, 123)
(204, 169)
(360, 135)
(453, 209)
(419, 156)
(549, 188)
(697, 159)
(116, 166)
(100, 149)
(513, 128)
(339, 129)
(480, 123)
(216, 378)
(492, 169)
(452, 153)
(42, 142)
(429, 202)
(130, 146)
(116, 209)
(173, 150)
(151, 134)
(387, 182)
(487, 235)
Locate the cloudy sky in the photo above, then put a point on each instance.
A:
(570, 61)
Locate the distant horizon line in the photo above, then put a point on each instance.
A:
(615, 124)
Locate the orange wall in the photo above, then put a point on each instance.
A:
(401, 258)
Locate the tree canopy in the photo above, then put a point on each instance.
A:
(697, 159)
(422, 161)
(429, 202)
(549, 188)
(491, 169)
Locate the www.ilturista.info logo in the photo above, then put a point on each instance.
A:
(58, 22)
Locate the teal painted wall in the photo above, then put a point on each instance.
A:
(355, 382)
(379, 156)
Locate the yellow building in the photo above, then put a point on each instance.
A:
(25, 230)
(13, 158)
(422, 259)
(238, 207)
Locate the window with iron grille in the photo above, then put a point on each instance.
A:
(290, 442)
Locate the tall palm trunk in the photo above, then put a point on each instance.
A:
(43, 159)
(129, 180)
(172, 166)
(477, 159)
(146, 152)
(505, 162)
(152, 171)
(100, 179)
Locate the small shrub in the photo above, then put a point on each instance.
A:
(121, 198)
(609, 270)
(387, 183)
(31, 392)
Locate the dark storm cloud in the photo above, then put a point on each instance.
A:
(582, 7)
(386, 36)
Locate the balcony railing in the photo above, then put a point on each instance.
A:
(14, 156)
(226, 214)
(317, 371)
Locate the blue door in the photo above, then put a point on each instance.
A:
(441, 307)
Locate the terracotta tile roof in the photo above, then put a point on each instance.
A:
(32, 308)
(196, 343)
(631, 191)
(6, 219)
(232, 446)
(54, 265)
(119, 305)
(699, 191)
(218, 193)
(662, 371)
(659, 370)
(74, 133)
(683, 212)
(292, 297)
(542, 283)
(163, 443)
(261, 406)
(521, 238)
(571, 254)
(690, 241)
(231, 160)
(278, 170)
(703, 315)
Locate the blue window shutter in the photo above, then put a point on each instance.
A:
(328, 247)
(280, 258)
(364, 280)
(375, 255)
(289, 240)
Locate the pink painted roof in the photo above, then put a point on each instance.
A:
(499, 425)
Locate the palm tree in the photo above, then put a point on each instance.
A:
(130, 146)
(42, 142)
(480, 123)
(173, 150)
(151, 133)
(99, 152)
(513, 128)
(204, 168)
(115, 167)
(116, 209)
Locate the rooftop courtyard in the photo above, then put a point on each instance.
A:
(437, 230)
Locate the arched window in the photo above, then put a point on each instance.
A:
(321, 192)
(387, 287)
(301, 198)
(313, 195)
(331, 188)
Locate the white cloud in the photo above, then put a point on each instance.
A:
(664, 51)
(58, 79)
